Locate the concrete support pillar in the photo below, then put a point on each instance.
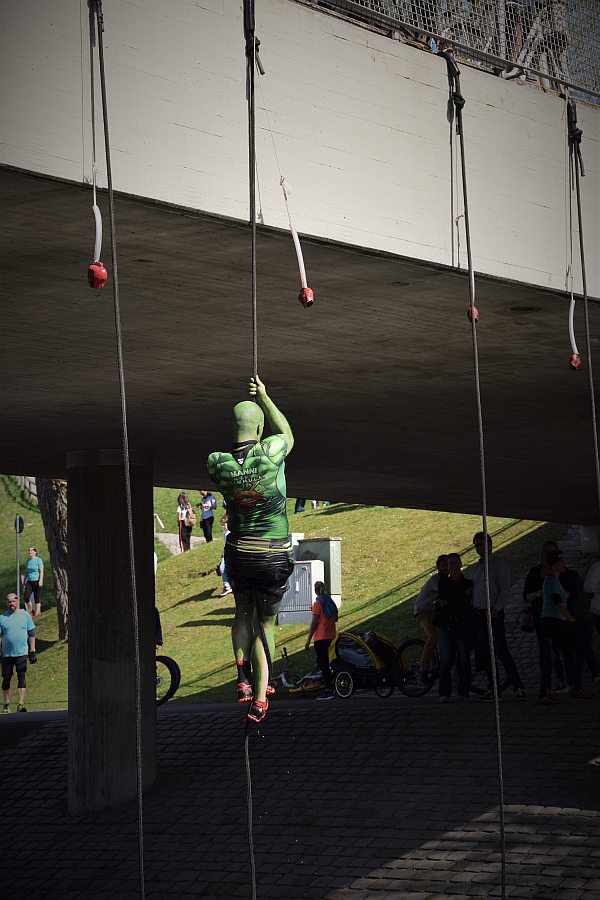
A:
(102, 704)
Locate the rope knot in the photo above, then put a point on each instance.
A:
(458, 100)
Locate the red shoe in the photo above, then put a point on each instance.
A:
(270, 690)
(258, 710)
(244, 691)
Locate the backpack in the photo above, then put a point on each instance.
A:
(190, 517)
(330, 610)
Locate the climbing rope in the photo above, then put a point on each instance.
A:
(577, 171)
(126, 465)
(97, 274)
(252, 45)
(575, 360)
(306, 295)
(249, 809)
(459, 102)
(252, 60)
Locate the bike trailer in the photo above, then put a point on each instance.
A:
(362, 661)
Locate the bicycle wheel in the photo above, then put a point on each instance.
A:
(407, 669)
(384, 686)
(168, 678)
(479, 679)
(344, 683)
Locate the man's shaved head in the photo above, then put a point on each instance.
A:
(248, 421)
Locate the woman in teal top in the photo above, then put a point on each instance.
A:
(554, 623)
(34, 582)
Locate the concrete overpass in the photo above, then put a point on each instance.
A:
(376, 378)
(383, 359)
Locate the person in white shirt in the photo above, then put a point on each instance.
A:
(424, 613)
(500, 591)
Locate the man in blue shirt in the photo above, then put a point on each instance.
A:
(17, 633)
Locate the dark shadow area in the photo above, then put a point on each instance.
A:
(195, 598)
(41, 645)
(224, 611)
(203, 622)
(409, 806)
(338, 508)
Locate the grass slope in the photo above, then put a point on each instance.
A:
(386, 555)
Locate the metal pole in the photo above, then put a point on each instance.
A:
(18, 559)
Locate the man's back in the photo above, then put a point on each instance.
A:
(252, 480)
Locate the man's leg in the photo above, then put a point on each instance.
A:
(425, 620)
(242, 634)
(322, 651)
(446, 645)
(482, 645)
(463, 664)
(260, 663)
(503, 653)
(21, 667)
(7, 668)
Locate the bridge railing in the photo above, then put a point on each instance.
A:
(557, 39)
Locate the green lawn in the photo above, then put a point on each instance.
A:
(386, 555)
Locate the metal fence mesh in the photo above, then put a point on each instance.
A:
(557, 37)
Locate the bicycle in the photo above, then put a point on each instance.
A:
(303, 684)
(409, 679)
(168, 679)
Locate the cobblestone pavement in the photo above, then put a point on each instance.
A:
(358, 799)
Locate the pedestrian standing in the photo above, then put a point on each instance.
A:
(555, 621)
(453, 620)
(17, 633)
(207, 505)
(424, 614)
(34, 582)
(186, 518)
(500, 591)
(322, 628)
(227, 589)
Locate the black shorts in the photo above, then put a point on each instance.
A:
(8, 663)
(32, 587)
(265, 573)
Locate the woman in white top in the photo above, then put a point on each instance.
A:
(184, 511)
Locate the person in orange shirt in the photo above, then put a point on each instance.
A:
(322, 628)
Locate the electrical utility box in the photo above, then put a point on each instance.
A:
(329, 551)
(296, 605)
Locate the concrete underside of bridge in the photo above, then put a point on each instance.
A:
(376, 378)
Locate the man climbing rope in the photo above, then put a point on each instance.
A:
(252, 480)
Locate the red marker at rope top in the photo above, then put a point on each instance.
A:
(97, 274)
(474, 314)
(306, 297)
(575, 361)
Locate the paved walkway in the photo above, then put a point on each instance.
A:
(358, 799)
(171, 541)
(365, 799)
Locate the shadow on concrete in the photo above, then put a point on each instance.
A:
(410, 805)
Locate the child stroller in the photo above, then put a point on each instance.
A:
(362, 661)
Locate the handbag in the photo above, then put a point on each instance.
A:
(190, 518)
(526, 618)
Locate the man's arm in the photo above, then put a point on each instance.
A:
(277, 421)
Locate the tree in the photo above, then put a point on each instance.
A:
(52, 502)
